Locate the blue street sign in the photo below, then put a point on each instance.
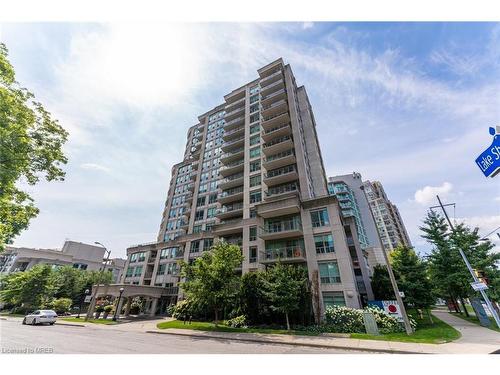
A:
(489, 160)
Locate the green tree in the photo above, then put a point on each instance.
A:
(412, 277)
(61, 305)
(31, 289)
(448, 272)
(30, 148)
(381, 283)
(69, 283)
(211, 280)
(284, 286)
(253, 302)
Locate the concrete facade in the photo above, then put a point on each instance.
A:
(76, 254)
(253, 175)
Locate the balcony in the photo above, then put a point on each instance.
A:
(281, 207)
(194, 165)
(190, 187)
(231, 106)
(235, 133)
(275, 86)
(238, 142)
(230, 211)
(274, 108)
(277, 229)
(227, 227)
(232, 155)
(278, 131)
(289, 254)
(231, 181)
(234, 123)
(279, 160)
(238, 111)
(231, 195)
(189, 196)
(273, 77)
(281, 175)
(277, 145)
(277, 191)
(276, 120)
(232, 168)
(171, 291)
(273, 97)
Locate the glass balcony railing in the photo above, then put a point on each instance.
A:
(276, 190)
(283, 253)
(230, 192)
(281, 171)
(277, 140)
(279, 155)
(233, 177)
(283, 226)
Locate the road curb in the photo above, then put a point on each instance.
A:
(324, 346)
(71, 324)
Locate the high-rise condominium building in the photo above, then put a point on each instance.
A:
(252, 175)
(389, 223)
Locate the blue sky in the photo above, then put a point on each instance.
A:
(408, 104)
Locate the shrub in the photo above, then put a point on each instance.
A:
(344, 319)
(387, 323)
(183, 310)
(99, 308)
(135, 308)
(237, 322)
(61, 305)
(108, 308)
(170, 310)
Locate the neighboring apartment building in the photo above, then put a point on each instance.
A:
(389, 223)
(349, 191)
(76, 254)
(252, 175)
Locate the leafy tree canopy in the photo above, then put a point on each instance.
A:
(30, 148)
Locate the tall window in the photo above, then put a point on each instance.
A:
(255, 180)
(130, 272)
(199, 215)
(329, 273)
(161, 269)
(254, 152)
(252, 233)
(255, 166)
(319, 218)
(138, 271)
(212, 198)
(197, 228)
(211, 212)
(255, 139)
(252, 254)
(255, 196)
(195, 247)
(254, 128)
(200, 201)
(324, 243)
(331, 299)
(207, 243)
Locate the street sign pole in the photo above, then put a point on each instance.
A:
(473, 274)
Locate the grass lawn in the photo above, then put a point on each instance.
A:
(6, 313)
(475, 320)
(437, 333)
(208, 326)
(82, 320)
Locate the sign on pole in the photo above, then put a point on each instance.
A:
(489, 160)
(87, 299)
(477, 305)
(390, 307)
(478, 286)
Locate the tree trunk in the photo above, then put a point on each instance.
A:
(463, 305)
(430, 316)
(216, 317)
(287, 322)
(455, 305)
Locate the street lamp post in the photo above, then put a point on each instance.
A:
(81, 302)
(94, 295)
(118, 304)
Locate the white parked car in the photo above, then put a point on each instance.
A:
(40, 317)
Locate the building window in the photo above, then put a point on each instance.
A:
(209, 227)
(255, 180)
(329, 273)
(130, 272)
(254, 140)
(254, 98)
(252, 233)
(204, 176)
(172, 268)
(195, 247)
(255, 196)
(212, 198)
(200, 201)
(211, 212)
(253, 212)
(252, 254)
(254, 152)
(254, 117)
(254, 128)
(161, 269)
(197, 228)
(138, 271)
(207, 243)
(203, 188)
(331, 299)
(255, 166)
(324, 244)
(254, 107)
(199, 215)
(319, 218)
(80, 266)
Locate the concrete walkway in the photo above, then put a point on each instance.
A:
(475, 339)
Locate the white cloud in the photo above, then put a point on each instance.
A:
(95, 167)
(307, 25)
(427, 194)
(497, 199)
(485, 223)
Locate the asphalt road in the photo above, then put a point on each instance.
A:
(59, 339)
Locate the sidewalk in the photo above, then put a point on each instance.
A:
(475, 339)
